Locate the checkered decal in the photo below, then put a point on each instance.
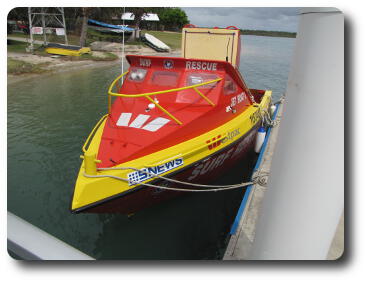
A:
(133, 178)
(144, 174)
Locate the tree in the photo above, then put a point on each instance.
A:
(83, 34)
(104, 14)
(173, 18)
(20, 14)
(139, 13)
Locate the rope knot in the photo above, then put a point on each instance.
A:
(260, 178)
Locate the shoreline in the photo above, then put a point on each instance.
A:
(60, 68)
(56, 69)
(59, 65)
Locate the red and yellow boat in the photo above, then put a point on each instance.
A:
(188, 118)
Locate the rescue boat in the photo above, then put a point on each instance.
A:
(186, 118)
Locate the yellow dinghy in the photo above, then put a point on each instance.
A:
(70, 50)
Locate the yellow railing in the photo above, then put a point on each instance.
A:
(148, 94)
(93, 132)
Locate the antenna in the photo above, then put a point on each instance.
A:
(123, 42)
(227, 48)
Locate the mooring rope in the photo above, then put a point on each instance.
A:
(266, 117)
(280, 101)
(267, 121)
(259, 178)
(169, 179)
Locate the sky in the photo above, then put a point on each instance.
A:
(276, 19)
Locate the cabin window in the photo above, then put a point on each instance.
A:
(198, 78)
(163, 78)
(137, 75)
(230, 87)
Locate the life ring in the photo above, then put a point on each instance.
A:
(189, 26)
(232, 27)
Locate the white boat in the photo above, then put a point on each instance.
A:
(155, 43)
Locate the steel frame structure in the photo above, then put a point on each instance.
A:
(46, 17)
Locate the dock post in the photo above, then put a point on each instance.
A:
(28, 242)
(305, 196)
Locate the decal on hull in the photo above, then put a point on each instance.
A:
(145, 173)
(139, 121)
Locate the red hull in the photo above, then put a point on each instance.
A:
(202, 172)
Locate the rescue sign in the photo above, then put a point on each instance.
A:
(197, 65)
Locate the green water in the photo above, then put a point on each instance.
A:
(49, 118)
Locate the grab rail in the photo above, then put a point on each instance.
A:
(93, 132)
(148, 94)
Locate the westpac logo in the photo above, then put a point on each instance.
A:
(214, 142)
(140, 122)
(145, 173)
(231, 135)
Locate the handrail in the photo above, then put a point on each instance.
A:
(148, 94)
(157, 92)
(203, 96)
(110, 90)
(164, 110)
(115, 81)
(92, 132)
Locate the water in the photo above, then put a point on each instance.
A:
(48, 121)
(265, 62)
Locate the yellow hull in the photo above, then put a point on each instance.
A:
(91, 190)
(68, 52)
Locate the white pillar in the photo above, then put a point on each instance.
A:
(64, 25)
(305, 196)
(43, 19)
(31, 243)
(30, 27)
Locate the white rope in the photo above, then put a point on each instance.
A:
(280, 101)
(166, 188)
(267, 121)
(172, 180)
(258, 179)
(266, 117)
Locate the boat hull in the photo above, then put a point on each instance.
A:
(203, 171)
(68, 50)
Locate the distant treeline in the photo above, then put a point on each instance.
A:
(269, 33)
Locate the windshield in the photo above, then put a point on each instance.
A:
(165, 78)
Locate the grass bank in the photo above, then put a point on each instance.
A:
(72, 39)
(18, 67)
(102, 56)
(269, 33)
(21, 47)
(172, 39)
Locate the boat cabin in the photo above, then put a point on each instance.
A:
(164, 101)
(167, 100)
(222, 44)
